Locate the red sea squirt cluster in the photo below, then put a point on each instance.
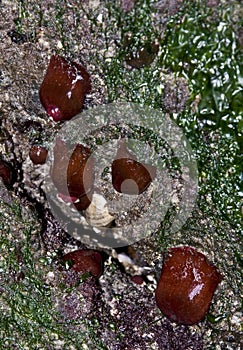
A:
(63, 89)
(85, 260)
(186, 286)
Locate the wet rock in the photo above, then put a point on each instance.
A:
(127, 5)
(76, 297)
(17, 37)
(213, 3)
(176, 95)
(130, 319)
(240, 36)
(53, 234)
(169, 7)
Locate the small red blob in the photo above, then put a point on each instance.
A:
(73, 174)
(186, 286)
(137, 279)
(63, 89)
(38, 154)
(6, 173)
(85, 260)
(128, 175)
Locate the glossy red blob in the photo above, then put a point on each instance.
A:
(73, 175)
(63, 89)
(85, 260)
(128, 175)
(38, 154)
(6, 173)
(186, 286)
(80, 172)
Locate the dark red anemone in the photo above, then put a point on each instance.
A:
(128, 175)
(85, 260)
(186, 286)
(73, 174)
(63, 89)
(6, 173)
(38, 154)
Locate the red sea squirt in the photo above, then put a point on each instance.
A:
(6, 173)
(80, 176)
(63, 89)
(73, 175)
(38, 154)
(85, 260)
(137, 279)
(80, 171)
(128, 175)
(186, 286)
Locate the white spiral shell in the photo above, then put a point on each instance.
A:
(97, 213)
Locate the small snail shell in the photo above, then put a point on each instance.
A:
(97, 213)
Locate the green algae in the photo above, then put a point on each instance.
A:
(200, 45)
(28, 319)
